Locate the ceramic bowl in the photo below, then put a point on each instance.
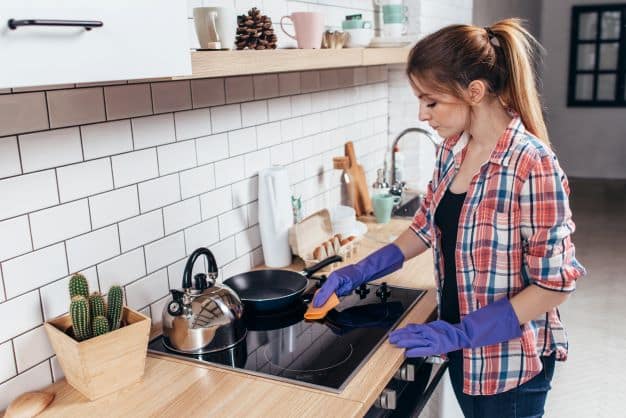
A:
(359, 38)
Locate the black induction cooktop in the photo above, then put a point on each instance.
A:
(323, 354)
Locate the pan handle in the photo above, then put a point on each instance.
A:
(330, 260)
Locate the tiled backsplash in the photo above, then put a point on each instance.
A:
(122, 182)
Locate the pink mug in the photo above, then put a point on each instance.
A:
(309, 28)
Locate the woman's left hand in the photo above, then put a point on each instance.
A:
(423, 340)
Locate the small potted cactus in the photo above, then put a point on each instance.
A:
(97, 339)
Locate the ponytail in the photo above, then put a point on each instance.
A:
(502, 55)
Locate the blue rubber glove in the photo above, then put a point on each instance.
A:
(344, 280)
(495, 323)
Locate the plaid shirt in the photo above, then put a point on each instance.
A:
(514, 231)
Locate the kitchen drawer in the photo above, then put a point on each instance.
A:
(137, 39)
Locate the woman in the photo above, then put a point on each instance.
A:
(497, 217)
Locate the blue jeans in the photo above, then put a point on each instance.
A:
(525, 401)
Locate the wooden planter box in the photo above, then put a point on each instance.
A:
(104, 364)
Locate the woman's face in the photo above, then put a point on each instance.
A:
(445, 113)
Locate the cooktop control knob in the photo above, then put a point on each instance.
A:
(387, 399)
(406, 373)
(362, 291)
(383, 292)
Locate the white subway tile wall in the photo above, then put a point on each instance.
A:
(122, 180)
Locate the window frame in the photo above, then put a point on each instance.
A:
(620, 71)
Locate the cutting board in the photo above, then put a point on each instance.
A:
(361, 196)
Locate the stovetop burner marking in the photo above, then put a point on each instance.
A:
(267, 357)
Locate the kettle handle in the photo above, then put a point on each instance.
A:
(212, 267)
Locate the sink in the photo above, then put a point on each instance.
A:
(407, 207)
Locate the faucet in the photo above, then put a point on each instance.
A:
(396, 187)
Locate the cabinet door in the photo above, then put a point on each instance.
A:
(137, 39)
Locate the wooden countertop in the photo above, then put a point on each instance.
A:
(172, 387)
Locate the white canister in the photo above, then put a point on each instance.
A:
(275, 216)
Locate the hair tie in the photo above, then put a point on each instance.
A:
(493, 40)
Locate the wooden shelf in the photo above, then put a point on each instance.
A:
(230, 63)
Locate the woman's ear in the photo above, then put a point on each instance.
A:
(476, 91)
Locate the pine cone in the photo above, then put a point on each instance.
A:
(255, 31)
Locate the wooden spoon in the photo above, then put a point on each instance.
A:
(28, 404)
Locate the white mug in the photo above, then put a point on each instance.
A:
(216, 27)
(394, 30)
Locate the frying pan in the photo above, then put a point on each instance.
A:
(272, 290)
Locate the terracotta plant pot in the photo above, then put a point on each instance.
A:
(105, 364)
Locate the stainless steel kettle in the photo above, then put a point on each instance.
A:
(203, 317)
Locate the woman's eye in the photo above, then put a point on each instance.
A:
(433, 104)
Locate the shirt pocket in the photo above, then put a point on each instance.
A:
(496, 253)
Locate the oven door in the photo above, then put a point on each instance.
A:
(410, 389)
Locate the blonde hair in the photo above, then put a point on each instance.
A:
(501, 55)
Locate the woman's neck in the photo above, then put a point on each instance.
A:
(488, 121)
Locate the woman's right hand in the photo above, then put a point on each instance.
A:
(340, 282)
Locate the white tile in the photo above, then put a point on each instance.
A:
(18, 230)
(165, 251)
(141, 230)
(114, 206)
(245, 191)
(319, 101)
(75, 106)
(176, 157)
(241, 141)
(59, 223)
(128, 101)
(26, 112)
(171, 96)
(34, 270)
(175, 272)
(7, 362)
(105, 139)
(145, 291)
(197, 180)
(303, 148)
(9, 157)
(225, 118)
(156, 310)
(289, 83)
(216, 202)
(31, 348)
(237, 266)
(2, 295)
(84, 179)
(122, 270)
(202, 235)
(253, 213)
(32, 380)
(134, 167)
(181, 215)
(27, 193)
(265, 86)
(229, 171)
(256, 161)
(281, 154)
(153, 130)
(19, 315)
(158, 192)
(309, 81)
(55, 297)
(311, 124)
(232, 222)
(268, 134)
(256, 257)
(254, 113)
(57, 371)
(330, 120)
(224, 251)
(192, 123)
(279, 108)
(212, 148)
(92, 248)
(239, 89)
(247, 240)
(291, 129)
(208, 92)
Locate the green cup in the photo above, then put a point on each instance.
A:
(383, 204)
(356, 24)
(394, 13)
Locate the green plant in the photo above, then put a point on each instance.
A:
(79, 311)
(115, 300)
(91, 316)
(79, 286)
(100, 325)
(97, 306)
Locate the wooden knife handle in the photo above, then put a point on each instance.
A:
(349, 150)
(341, 163)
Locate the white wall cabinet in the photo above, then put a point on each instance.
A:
(137, 39)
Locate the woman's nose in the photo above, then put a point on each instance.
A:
(423, 113)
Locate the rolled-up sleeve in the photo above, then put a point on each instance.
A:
(547, 226)
(421, 224)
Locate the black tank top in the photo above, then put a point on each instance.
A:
(447, 219)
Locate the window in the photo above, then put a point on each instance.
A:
(597, 67)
